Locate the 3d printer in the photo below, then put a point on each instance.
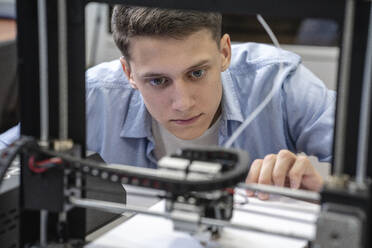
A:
(52, 149)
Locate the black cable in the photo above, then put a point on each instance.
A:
(149, 178)
(8, 154)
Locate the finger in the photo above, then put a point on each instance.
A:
(298, 170)
(284, 161)
(311, 179)
(265, 176)
(253, 174)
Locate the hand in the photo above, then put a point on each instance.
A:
(284, 169)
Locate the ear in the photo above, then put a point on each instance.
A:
(128, 72)
(225, 50)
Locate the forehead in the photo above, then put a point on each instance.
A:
(157, 52)
(202, 33)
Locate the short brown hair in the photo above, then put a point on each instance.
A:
(130, 21)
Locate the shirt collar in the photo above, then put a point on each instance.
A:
(231, 110)
(137, 123)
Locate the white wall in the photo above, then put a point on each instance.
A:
(98, 39)
(322, 61)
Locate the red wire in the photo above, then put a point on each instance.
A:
(40, 169)
(230, 190)
(49, 161)
(31, 166)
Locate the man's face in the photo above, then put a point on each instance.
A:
(179, 79)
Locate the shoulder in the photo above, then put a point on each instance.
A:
(106, 75)
(255, 68)
(253, 56)
(108, 91)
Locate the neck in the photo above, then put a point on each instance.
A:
(216, 115)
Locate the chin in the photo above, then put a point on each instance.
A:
(188, 135)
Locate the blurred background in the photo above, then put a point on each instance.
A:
(315, 40)
(9, 114)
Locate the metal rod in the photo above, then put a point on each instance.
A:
(43, 228)
(282, 207)
(266, 214)
(128, 193)
(43, 72)
(113, 207)
(120, 208)
(63, 70)
(294, 193)
(343, 88)
(247, 227)
(364, 123)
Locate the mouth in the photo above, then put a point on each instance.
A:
(186, 121)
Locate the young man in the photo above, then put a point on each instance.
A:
(179, 83)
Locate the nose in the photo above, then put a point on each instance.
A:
(182, 96)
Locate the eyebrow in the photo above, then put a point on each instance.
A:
(199, 64)
(153, 74)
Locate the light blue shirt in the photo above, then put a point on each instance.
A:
(299, 117)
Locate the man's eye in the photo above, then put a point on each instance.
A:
(158, 81)
(197, 74)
